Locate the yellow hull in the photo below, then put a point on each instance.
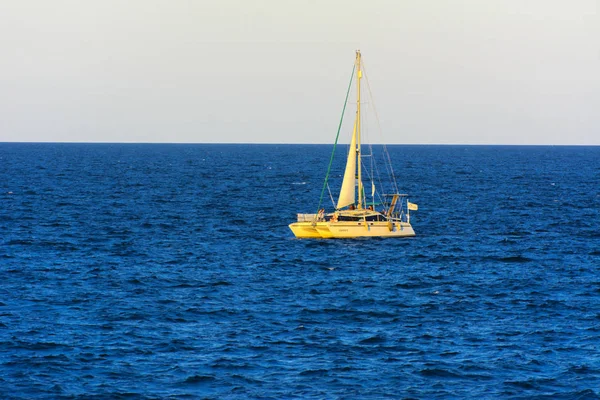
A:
(304, 230)
(323, 230)
(351, 229)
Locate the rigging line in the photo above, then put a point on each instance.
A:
(387, 163)
(385, 150)
(331, 196)
(375, 176)
(336, 138)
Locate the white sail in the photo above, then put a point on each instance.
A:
(347, 193)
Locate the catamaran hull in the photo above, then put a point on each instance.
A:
(305, 230)
(351, 229)
(369, 229)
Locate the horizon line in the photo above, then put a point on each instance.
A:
(304, 144)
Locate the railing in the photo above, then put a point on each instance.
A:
(307, 217)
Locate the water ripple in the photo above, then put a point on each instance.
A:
(168, 271)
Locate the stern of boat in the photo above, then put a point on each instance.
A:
(304, 230)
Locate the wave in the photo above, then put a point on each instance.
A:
(199, 379)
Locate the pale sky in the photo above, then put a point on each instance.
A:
(276, 71)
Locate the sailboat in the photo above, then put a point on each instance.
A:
(353, 215)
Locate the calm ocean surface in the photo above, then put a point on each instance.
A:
(168, 271)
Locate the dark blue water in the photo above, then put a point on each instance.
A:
(153, 271)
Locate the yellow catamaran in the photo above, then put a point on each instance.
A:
(353, 216)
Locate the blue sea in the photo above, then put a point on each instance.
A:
(150, 271)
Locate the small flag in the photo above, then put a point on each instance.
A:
(412, 206)
(372, 190)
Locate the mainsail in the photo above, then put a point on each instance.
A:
(347, 193)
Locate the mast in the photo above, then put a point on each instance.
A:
(349, 187)
(359, 76)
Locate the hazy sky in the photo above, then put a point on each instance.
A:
(276, 71)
